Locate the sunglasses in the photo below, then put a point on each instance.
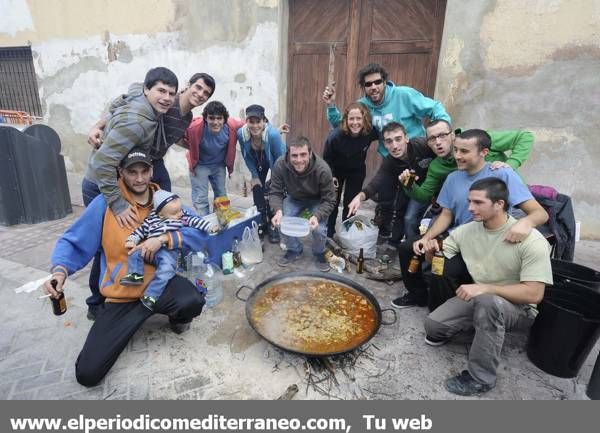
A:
(375, 82)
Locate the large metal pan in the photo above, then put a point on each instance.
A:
(349, 286)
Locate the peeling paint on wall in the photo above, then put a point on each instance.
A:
(519, 33)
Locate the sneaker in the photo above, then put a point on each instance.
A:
(288, 257)
(435, 341)
(465, 385)
(149, 302)
(178, 327)
(274, 237)
(406, 301)
(132, 279)
(322, 264)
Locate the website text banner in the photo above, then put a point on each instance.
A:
(299, 416)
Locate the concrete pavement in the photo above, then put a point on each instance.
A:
(221, 357)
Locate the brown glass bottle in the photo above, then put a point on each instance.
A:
(360, 263)
(413, 265)
(437, 263)
(411, 179)
(59, 305)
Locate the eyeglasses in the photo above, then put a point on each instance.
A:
(433, 138)
(376, 82)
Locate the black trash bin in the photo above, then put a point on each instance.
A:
(593, 388)
(563, 270)
(566, 328)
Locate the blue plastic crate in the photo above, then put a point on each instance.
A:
(220, 243)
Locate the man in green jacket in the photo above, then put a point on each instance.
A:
(440, 138)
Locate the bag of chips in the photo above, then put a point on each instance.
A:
(225, 214)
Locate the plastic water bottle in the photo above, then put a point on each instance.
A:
(197, 271)
(214, 288)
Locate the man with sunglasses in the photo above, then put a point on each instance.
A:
(388, 102)
(509, 148)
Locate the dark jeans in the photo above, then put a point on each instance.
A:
(259, 192)
(439, 289)
(116, 323)
(351, 183)
(89, 191)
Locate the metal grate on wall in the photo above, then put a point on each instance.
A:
(18, 83)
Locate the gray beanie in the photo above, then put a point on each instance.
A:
(161, 198)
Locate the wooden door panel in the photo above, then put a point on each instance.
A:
(319, 20)
(410, 69)
(401, 20)
(309, 78)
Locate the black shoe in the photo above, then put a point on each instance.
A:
(274, 237)
(178, 327)
(92, 312)
(132, 279)
(435, 341)
(408, 300)
(288, 257)
(322, 264)
(149, 302)
(464, 384)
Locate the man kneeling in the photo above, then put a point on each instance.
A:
(495, 283)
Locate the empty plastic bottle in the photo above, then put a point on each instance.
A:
(214, 287)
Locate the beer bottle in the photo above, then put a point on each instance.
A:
(59, 305)
(360, 263)
(411, 179)
(437, 263)
(235, 250)
(413, 265)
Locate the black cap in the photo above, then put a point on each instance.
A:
(255, 110)
(135, 155)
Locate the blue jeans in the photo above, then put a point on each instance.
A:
(215, 174)
(166, 267)
(293, 207)
(412, 217)
(160, 175)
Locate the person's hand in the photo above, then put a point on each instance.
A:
(276, 220)
(284, 128)
(403, 178)
(95, 137)
(466, 292)
(336, 183)
(329, 94)
(519, 231)
(129, 244)
(354, 205)
(499, 164)
(313, 222)
(60, 282)
(214, 228)
(419, 246)
(128, 218)
(255, 182)
(148, 248)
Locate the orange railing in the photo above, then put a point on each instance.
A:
(16, 117)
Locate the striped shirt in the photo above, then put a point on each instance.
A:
(154, 225)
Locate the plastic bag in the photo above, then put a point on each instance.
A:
(357, 232)
(250, 246)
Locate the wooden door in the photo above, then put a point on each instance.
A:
(403, 36)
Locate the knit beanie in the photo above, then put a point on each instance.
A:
(161, 198)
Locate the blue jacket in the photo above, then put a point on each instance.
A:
(96, 229)
(272, 143)
(400, 104)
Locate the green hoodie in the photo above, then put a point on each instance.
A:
(518, 143)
